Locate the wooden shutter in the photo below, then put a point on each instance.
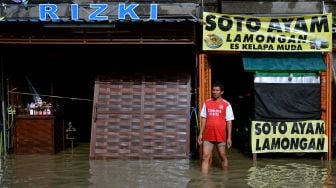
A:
(141, 116)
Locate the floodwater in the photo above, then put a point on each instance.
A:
(74, 169)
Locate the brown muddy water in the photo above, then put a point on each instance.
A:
(74, 169)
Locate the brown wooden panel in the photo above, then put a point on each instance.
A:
(204, 71)
(327, 87)
(142, 117)
(38, 134)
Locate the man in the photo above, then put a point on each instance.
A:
(217, 119)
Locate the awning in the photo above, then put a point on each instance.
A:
(283, 62)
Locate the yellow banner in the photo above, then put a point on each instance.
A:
(308, 33)
(301, 136)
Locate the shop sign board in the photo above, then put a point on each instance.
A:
(288, 137)
(306, 33)
(97, 12)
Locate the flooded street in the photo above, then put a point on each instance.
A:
(74, 169)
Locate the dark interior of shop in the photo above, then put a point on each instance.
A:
(238, 90)
(60, 75)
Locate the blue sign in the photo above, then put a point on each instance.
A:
(50, 11)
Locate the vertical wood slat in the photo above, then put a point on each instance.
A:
(328, 59)
(204, 85)
(142, 117)
(204, 79)
(326, 99)
(330, 103)
(94, 118)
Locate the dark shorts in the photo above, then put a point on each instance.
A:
(211, 143)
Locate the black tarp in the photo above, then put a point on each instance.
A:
(287, 101)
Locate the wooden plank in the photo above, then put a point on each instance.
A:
(204, 86)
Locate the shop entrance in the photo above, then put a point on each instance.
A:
(144, 100)
(238, 90)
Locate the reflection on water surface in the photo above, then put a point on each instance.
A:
(67, 169)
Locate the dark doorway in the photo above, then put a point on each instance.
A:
(238, 90)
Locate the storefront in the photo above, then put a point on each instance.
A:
(282, 80)
(123, 99)
(125, 83)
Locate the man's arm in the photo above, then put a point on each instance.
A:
(203, 121)
(229, 129)
(200, 136)
(229, 118)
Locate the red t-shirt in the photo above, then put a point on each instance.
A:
(215, 128)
